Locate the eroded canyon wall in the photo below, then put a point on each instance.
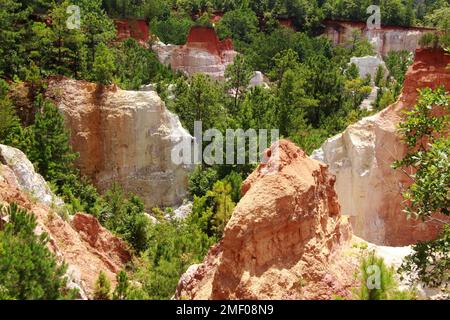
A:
(132, 28)
(384, 40)
(369, 190)
(82, 243)
(124, 137)
(202, 53)
(284, 239)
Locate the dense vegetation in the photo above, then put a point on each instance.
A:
(314, 94)
(425, 130)
(305, 14)
(28, 270)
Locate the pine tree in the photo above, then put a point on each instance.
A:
(13, 20)
(103, 68)
(238, 77)
(97, 27)
(379, 76)
(102, 287)
(121, 290)
(51, 152)
(9, 121)
(67, 43)
(28, 269)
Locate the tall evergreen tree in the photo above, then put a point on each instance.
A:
(51, 151)
(28, 270)
(13, 21)
(238, 77)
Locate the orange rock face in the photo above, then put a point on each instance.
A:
(369, 190)
(129, 28)
(83, 244)
(283, 240)
(124, 137)
(202, 53)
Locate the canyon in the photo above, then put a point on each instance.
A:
(369, 190)
(384, 39)
(297, 231)
(80, 241)
(124, 137)
(202, 53)
(301, 218)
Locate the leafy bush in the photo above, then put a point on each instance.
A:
(429, 263)
(427, 142)
(425, 133)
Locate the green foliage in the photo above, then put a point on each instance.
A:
(430, 40)
(28, 270)
(51, 152)
(200, 99)
(235, 180)
(122, 287)
(385, 98)
(352, 71)
(96, 27)
(398, 63)
(212, 211)
(102, 287)
(379, 76)
(147, 9)
(359, 45)
(377, 281)
(426, 137)
(425, 132)
(393, 12)
(240, 25)
(126, 217)
(440, 19)
(56, 48)
(223, 206)
(200, 181)
(238, 77)
(173, 246)
(104, 65)
(257, 109)
(173, 30)
(9, 121)
(12, 32)
(356, 90)
(430, 263)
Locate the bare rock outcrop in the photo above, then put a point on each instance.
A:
(284, 240)
(369, 65)
(369, 189)
(124, 137)
(83, 244)
(202, 53)
(384, 39)
(132, 28)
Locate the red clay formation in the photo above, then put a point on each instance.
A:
(284, 240)
(136, 29)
